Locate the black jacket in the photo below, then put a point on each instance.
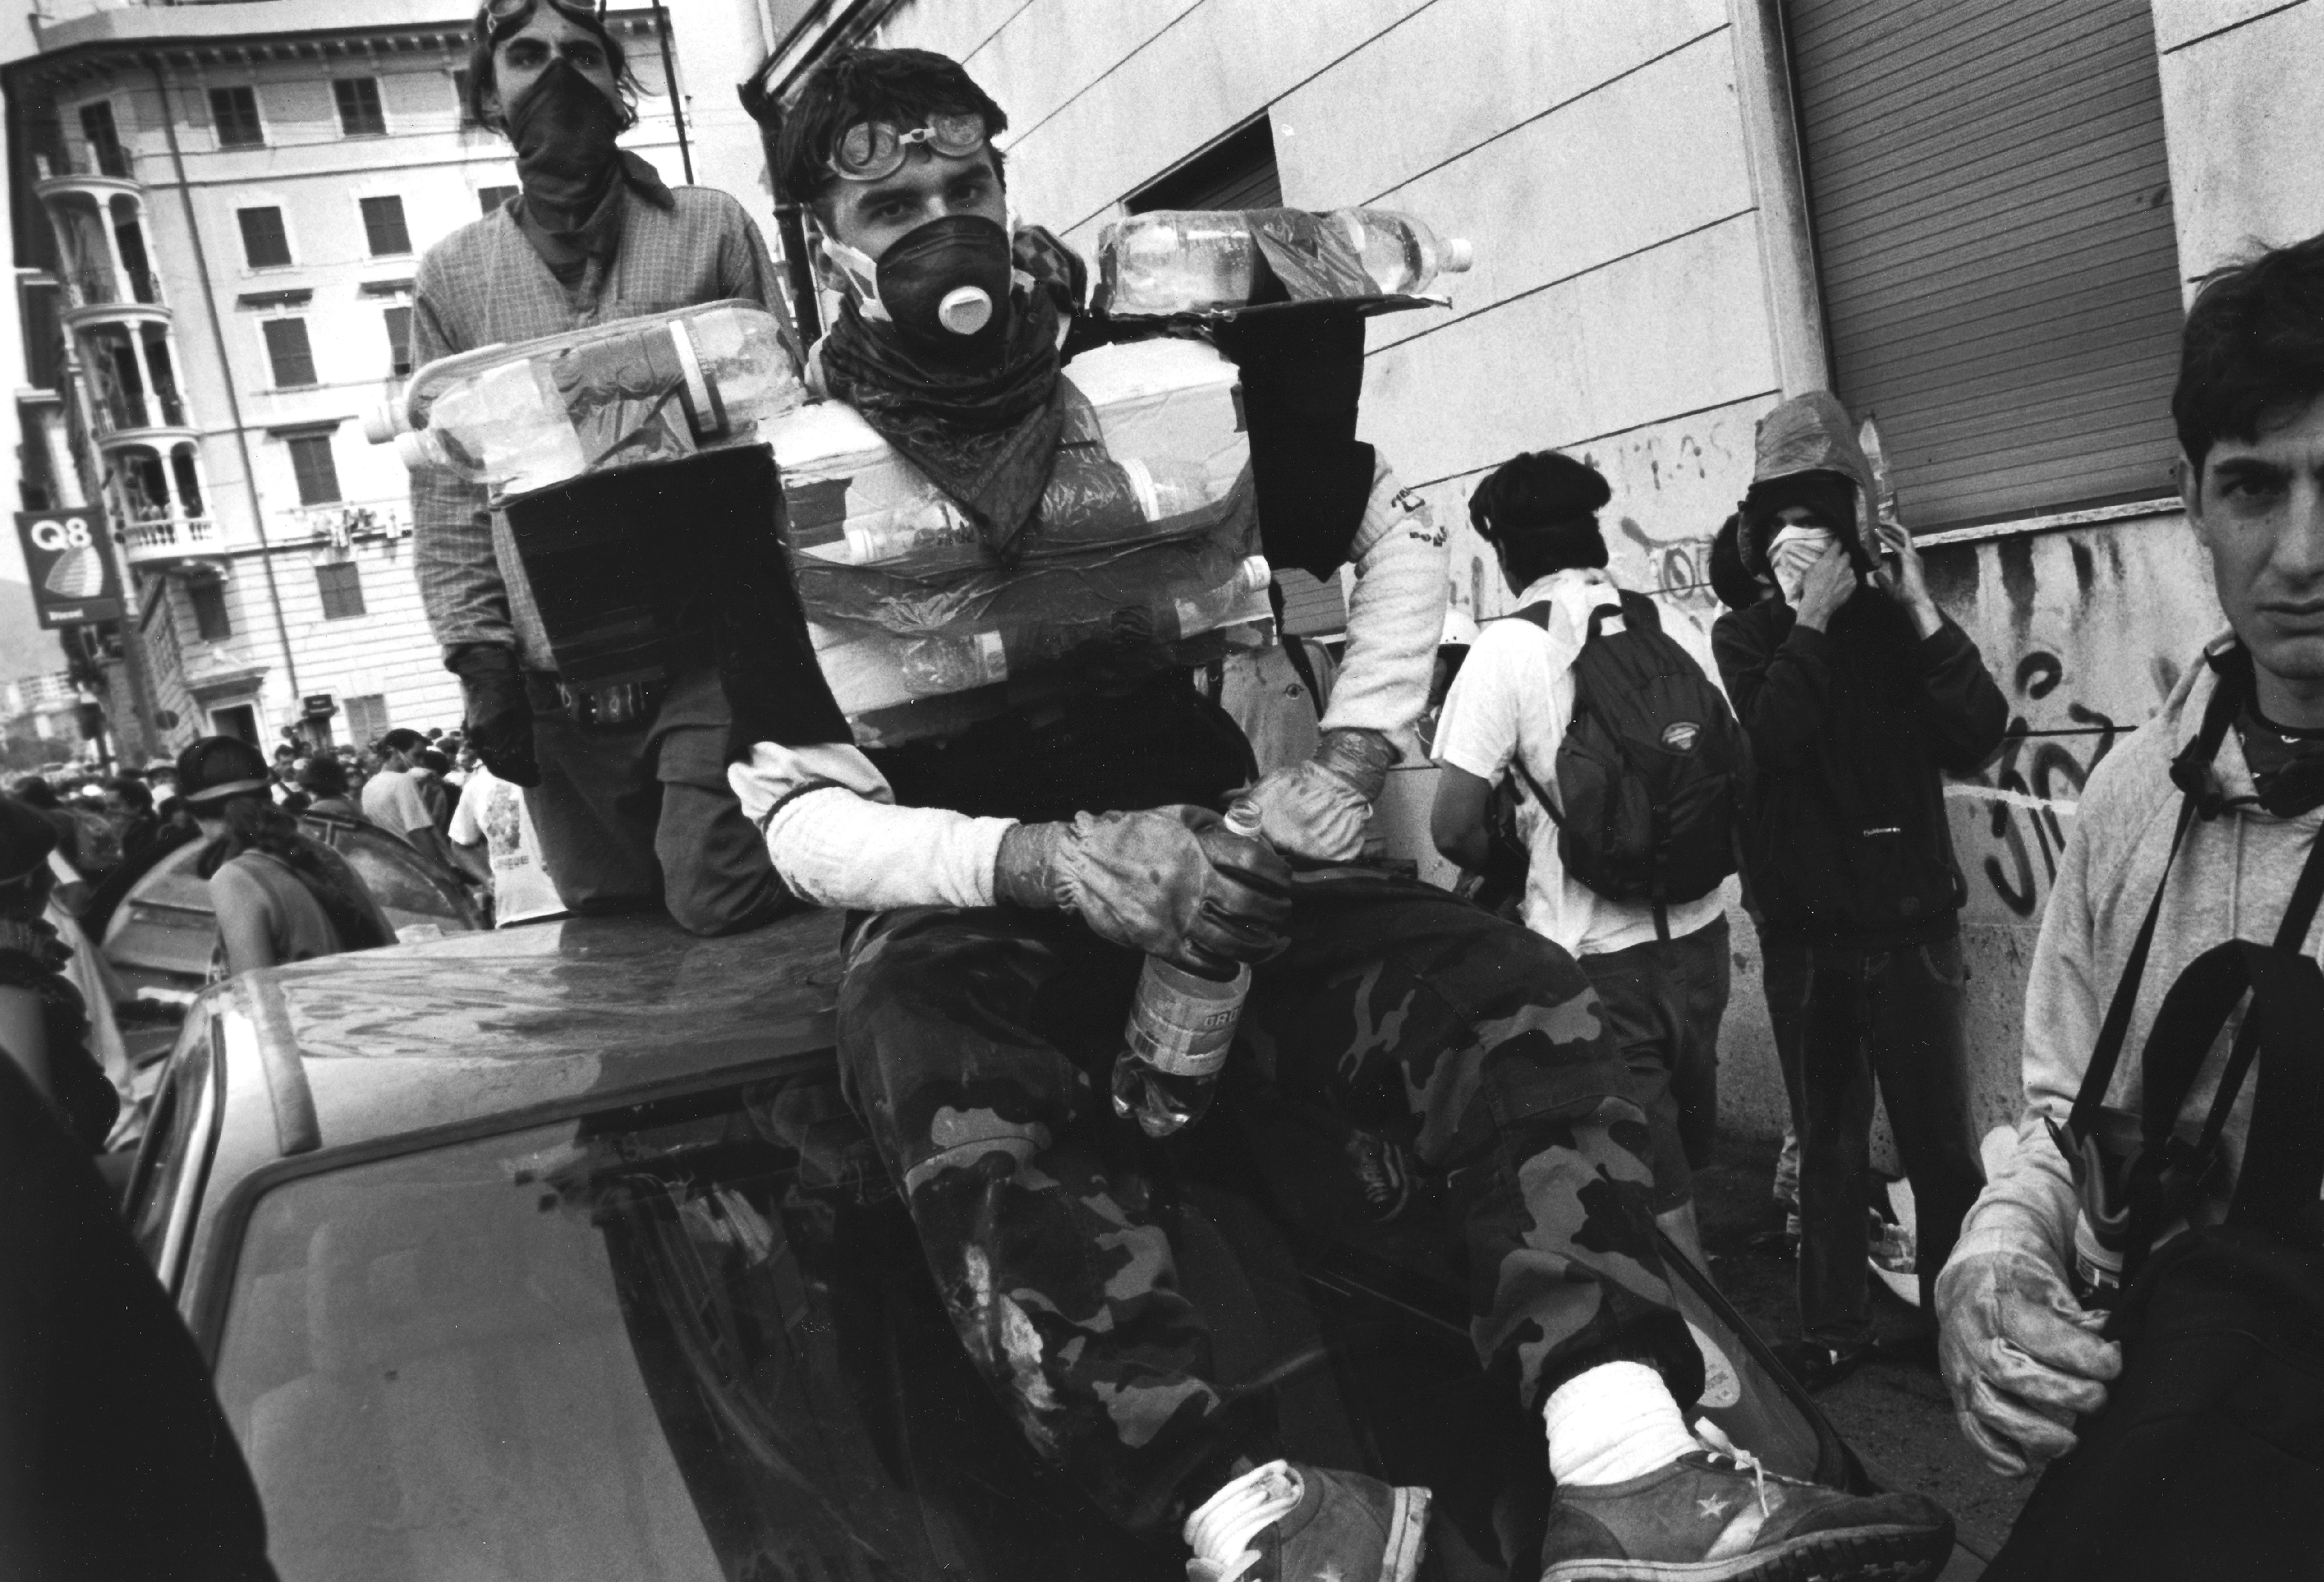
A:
(1851, 729)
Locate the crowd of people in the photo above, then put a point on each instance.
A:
(1540, 1051)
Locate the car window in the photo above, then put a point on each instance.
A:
(170, 1146)
(697, 1340)
(686, 1343)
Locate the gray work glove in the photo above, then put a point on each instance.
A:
(2022, 1358)
(1173, 882)
(1316, 810)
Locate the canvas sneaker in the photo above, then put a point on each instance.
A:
(1286, 1523)
(1715, 1517)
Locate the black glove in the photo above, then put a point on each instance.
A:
(499, 714)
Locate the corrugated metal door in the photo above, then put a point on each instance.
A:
(1992, 213)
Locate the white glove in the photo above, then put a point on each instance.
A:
(2021, 1356)
(1316, 811)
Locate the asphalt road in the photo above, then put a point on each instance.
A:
(1895, 1415)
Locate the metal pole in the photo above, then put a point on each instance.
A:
(677, 104)
(225, 372)
(133, 640)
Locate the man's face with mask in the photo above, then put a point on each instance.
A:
(547, 35)
(872, 216)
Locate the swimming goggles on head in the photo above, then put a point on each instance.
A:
(872, 151)
(496, 17)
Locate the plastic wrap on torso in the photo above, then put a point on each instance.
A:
(1145, 555)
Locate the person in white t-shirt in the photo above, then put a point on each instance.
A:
(1509, 709)
(492, 822)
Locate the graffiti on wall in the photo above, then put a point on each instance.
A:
(2015, 841)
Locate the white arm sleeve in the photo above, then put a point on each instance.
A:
(838, 838)
(1396, 616)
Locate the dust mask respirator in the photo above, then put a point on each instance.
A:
(944, 286)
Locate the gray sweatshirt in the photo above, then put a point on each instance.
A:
(2233, 880)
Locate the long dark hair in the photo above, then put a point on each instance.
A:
(254, 823)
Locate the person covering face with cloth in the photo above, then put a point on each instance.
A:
(1858, 696)
(1007, 881)
(631, 801)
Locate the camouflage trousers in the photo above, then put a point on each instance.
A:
(977, 1045)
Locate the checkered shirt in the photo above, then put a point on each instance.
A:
(484, 284)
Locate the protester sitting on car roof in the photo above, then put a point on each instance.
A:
(280, 896)
(1013, 878)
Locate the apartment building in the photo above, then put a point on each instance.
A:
(217, 212)
(1976, 222)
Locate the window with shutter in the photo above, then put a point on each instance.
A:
(233, 112)
(264, 243)
(287, 349)
(319, 476)
(359, 112)
(105, 149)
(1991, 206)
(399, 341)
(489, 199)
(340, 585)
(383, 226)
(211, 621)
(366, 718)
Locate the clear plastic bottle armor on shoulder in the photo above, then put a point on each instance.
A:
(1197, 260)
(523, 415)
(1180, 1026)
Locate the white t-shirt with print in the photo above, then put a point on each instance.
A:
(1513, 698)
(492, 811)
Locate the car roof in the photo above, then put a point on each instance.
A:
(375, 1045)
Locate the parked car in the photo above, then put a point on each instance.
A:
(555, 1253)
(159, 929)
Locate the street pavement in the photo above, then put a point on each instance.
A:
(1895, 1414)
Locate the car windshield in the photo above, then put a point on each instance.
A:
(695, 1341)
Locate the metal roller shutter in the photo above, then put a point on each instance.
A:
(1991, 204)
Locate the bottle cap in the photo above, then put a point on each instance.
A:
(1459, 256)
(384, 422)
(964, 310)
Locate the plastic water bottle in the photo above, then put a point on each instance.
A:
(725, 363)
(505, 428)
(1182, 261)
(943, 662)
(1180, 1026)
(1401, 253)
(1195, 261)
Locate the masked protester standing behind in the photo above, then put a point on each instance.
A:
(279, 896)
(1858, 696)
(638, 812)
(1008, 882)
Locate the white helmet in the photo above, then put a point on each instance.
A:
(1460, 631)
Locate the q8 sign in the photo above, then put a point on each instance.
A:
(71, 576)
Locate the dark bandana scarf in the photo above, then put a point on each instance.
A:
(987, 435)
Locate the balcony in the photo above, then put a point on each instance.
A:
(345, 521)
(152, 539)
(135, 415)
(97, 172)
(130, 293)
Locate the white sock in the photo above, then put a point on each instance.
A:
(1221, 1529)
(1612, 1423)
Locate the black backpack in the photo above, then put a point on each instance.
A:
(1647, 771)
